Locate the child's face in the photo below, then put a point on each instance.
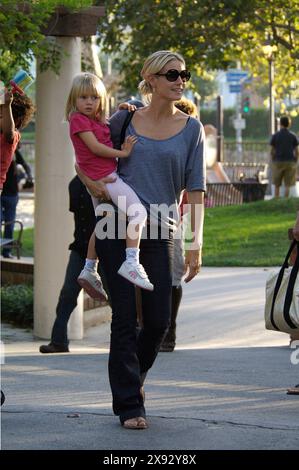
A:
(88, 105)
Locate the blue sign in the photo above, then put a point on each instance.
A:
(236, 75)
(235, 88)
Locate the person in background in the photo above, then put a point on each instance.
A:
(284, 153)
(15, 114)
(10, 197)
(168, 344)
(84, 219)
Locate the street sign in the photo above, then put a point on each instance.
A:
(235, 88)
(236, 75)
(239, 123)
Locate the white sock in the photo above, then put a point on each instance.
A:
(91, 264)
(132, 255)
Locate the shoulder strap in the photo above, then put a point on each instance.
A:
(125, 125)
(290, 290)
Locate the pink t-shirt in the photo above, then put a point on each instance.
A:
(7, 151)
(93, 166)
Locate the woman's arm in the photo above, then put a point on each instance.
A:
(102, 150)
(97, 188)
(193, 258)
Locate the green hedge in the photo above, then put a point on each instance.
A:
(17, 305)
(257, 123)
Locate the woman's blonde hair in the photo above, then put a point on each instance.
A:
(153, 64)
(87, 84)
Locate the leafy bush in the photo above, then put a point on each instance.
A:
(17, 304)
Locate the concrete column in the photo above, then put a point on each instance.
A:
(54, 169)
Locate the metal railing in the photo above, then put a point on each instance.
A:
(227, 194)
(254, 152)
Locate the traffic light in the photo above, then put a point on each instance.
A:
(246, 104)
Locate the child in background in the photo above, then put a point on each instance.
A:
(96, 158)
(169, 342)
(15, 114)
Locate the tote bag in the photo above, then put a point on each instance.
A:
(282, 296)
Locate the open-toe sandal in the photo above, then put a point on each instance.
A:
(135, 423)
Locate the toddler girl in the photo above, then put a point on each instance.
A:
(96, 158)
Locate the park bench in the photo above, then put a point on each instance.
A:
(234, 183)
(246, 170)
(12, 243)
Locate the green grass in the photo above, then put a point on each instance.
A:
(252, 234)
(28, 135)
(27, 242)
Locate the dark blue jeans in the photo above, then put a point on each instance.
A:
(8, 213)
(67, 299)
(133, 354)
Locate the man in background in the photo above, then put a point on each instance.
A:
(284, 153)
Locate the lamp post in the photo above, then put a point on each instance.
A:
(269, 51)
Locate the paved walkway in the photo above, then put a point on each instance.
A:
(224, 387)
(25, 209)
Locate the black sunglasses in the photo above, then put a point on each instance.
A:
(172, 75)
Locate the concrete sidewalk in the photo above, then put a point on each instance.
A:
(224, 387)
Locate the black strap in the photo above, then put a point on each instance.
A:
(125, 125)
(290, 289)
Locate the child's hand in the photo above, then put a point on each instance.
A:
(128, 106)
(128, 145)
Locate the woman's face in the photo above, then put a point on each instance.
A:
(166, 89)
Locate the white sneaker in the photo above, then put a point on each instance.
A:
(134, 272)
(92, 284)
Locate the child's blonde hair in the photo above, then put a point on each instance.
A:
(154, 64)
(187, 106)
(87, 84)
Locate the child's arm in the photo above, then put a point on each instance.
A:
(8, 125)
(128, 106)
(102, 150)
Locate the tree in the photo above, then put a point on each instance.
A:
(211, 35)
(21, 38)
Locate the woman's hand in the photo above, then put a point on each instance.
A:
(96, 188)
(192, 264)
(128, 145)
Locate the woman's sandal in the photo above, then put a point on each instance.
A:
(135, 423)
(293, 390)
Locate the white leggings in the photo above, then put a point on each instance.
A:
(123, 196)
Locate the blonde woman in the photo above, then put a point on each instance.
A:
(167, 158)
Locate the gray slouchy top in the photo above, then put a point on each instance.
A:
(158, 170)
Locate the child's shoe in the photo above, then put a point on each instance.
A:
(92, 284)
(134, 272)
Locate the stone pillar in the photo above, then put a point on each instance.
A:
(54, 224)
